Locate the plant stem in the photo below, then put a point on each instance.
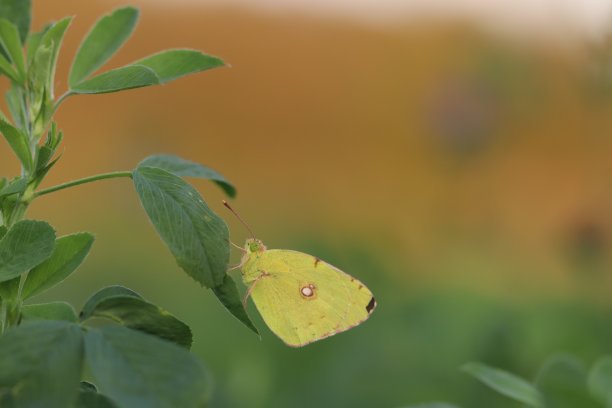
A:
(18, 214)
(60, 100)
(114, 174)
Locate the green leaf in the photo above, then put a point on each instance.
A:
(600, 380)
(562, 381)
(185, 168)
(69, 253)
(9, 38)
(52, 40)
(19, 12)
(228, 295)
(91, 399)
(86, 386)
(101, 295)
(130, 77)
(42, 158)
(156, 69)
(506, 384)
(106, 37)
(3, 116)
(197, 237)
(27, 244)
(14, 100)
(43, 51)
(41, 364)
(3, 231)
(40, 174)
(39, 77)
(7, 69)
(138, 370)
(19, 143)
(15, 186)
(173, 64)
(432, 405)
(33, 42)
(138, 314)
(46, 151)
(10, 288)
(49, 311)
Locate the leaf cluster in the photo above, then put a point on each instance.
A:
(135, 352)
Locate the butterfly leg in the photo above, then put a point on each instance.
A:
(238, 247)
(241, 262)
(250, 289)
(238, 266)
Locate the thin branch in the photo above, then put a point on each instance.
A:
(114, 174)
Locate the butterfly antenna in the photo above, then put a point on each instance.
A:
(225, 203)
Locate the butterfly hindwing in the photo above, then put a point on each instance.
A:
(303, 299)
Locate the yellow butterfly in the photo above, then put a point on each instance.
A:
(301, 298)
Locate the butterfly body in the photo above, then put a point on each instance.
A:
(300, 297)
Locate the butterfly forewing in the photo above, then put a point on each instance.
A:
(303, 299)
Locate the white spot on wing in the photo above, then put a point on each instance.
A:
(307, 291)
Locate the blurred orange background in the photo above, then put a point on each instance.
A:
(447, 155)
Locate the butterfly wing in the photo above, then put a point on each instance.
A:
(303, 299)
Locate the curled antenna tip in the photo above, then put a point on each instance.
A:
(226, 204)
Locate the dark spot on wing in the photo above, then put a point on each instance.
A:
(317, 260)
(371, 305)
(360, 287)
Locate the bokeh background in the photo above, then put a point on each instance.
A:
(453, 155)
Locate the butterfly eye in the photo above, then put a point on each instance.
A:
(308, 291)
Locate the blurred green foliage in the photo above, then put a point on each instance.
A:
(409, 352)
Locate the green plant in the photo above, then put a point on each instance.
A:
(47, 351)
(562, 382)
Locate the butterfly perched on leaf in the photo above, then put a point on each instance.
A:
(300, 297)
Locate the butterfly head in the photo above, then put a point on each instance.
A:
(253, 245)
